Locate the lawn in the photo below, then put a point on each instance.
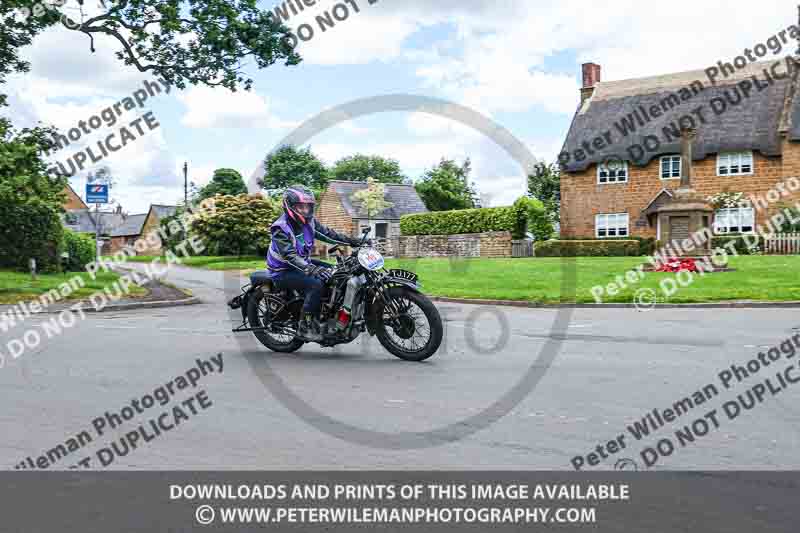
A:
(764, 278)
(211, 262)
(18, 286)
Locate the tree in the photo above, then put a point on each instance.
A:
(360, 167)
(180, 41)
(446, 187)
(373, 198)
(238, 226)
(30, 200)
(23, 172)
(544, 184)
(289, 166)
(225, 181)
(17, 31)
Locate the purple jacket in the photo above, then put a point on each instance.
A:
(291, 246)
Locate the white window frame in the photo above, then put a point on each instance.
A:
(735, 219)
(615, 179)
(671, 159)
(604, 221)
(738, 160)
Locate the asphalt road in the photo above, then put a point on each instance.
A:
(612, 367)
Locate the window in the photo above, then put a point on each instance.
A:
(71, 219)
(670, 167)
(735, 164)
(735, 220)
(614, 225)
(616, 172)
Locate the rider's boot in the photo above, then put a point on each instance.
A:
(309, 328)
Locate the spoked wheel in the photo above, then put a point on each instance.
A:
(280, 335)
(409, 327)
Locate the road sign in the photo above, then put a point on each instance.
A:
(96, 194)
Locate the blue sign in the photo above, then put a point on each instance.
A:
(96, 194)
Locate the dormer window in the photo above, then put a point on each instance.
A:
(670, 167)
(612, 172)
(734, 163)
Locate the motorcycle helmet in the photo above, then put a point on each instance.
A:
(299, 203)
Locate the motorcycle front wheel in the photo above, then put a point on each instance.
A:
(409, 326)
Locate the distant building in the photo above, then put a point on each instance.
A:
(136, 226)
(338, 210)
(81, 218)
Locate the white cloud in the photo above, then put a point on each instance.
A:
(208, 107)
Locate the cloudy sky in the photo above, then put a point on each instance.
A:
(516, 61)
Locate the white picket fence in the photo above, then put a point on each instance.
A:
(782, 244)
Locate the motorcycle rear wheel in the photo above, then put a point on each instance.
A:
(258, 317)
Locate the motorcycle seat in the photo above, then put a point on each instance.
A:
(261, 277)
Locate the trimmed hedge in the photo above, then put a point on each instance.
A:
(589, 248)
(30, 230)
(527, 214)
(81, 249)
(461, 221)
(743, 244)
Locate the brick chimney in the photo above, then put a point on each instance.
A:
(591, 77)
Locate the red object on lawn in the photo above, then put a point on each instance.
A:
(678, 265)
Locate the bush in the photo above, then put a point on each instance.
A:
(592, 248)
(647, 245)
(533, 217)
(743, 244)
(30, 230)
(81, 248)
(462, 221)
(239, 225)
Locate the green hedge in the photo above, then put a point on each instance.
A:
(461, 221)
(81, 249)
(752, 244)
(30, 230)
(589, 248)
(533, 217)
(527, 214)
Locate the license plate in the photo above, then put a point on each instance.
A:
(404, 274)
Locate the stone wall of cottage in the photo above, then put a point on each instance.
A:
(151, 225)
(582, 197)
(73, 201)
(491, 244)
(331, 212)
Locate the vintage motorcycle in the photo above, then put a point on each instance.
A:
(361, 296)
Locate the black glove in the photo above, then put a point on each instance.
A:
(320, 272)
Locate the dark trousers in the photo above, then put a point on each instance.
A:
(310, 286)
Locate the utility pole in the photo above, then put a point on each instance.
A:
(186, 185)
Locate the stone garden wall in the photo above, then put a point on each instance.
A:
(490, 244)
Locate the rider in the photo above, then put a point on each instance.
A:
(289, 254)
